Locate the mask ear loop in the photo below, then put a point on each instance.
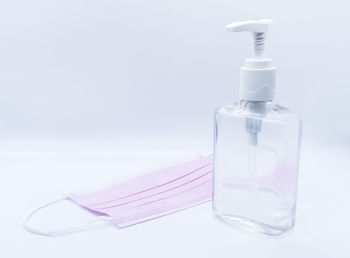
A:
(82, 227)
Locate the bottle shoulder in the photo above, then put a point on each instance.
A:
(269, 112)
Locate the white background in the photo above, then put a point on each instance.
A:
(92, 91)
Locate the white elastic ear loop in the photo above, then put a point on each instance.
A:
(81, 227)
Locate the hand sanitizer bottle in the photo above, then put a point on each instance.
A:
(256, 148)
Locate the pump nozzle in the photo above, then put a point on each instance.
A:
(258, 28)
(257, 74)
(257, 83)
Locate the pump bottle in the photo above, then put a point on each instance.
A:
(256, 151)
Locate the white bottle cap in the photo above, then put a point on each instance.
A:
(257, 81)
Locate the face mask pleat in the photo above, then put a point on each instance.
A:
(164, 189)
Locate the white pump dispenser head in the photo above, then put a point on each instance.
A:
(257, 81)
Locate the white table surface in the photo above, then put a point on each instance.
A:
(31, 176)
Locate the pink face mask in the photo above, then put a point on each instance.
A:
(145, 197)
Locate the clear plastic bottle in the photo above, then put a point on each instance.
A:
(256, 153)
(256, 166)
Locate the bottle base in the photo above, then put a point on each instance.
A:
(249, 225)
